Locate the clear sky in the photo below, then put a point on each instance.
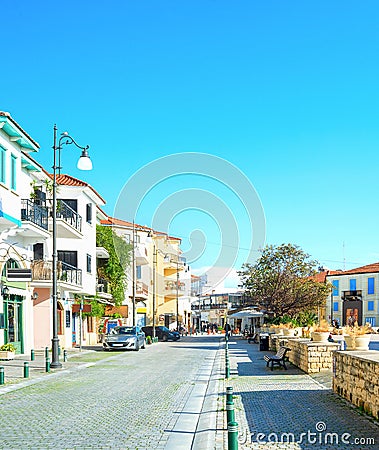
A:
(285, 91)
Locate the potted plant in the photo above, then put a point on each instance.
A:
(321, 332)
(358, 337)
(148, 340)
(7, 351)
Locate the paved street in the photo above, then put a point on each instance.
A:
(284, 405)
(151, 399)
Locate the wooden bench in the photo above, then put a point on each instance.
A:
(278, 359)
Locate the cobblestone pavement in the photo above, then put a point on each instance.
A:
(163, 397)
(291, 409)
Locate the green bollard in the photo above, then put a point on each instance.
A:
(32, 355)
(47, 364)
(64, 355)
(233, 436)
(229, 394)
(227, 369)
(46, 352)
(26, 369)
(1, 375)
(230, 417)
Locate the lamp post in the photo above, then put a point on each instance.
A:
(84, 163)
(155, 254)
(177, 294)
(134, 274)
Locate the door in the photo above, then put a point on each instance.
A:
(13, 322)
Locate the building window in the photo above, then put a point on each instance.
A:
(335, 306)
(73, 204)
(371, 285)
(38, 251)
(138, 272)
(89, 213)
(90, 324)
(353, 284)
(336, 287)
(371, 321)
(89, 263)
(68, 257)
(370, 306)
(2, 164)
(13, 172)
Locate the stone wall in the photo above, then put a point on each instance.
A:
(311, 357)
(356, 378)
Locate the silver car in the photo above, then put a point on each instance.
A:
(124, 338)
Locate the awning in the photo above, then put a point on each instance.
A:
(246, 314)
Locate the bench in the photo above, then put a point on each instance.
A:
(278, 359)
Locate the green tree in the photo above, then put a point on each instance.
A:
(114, 268)
(281, 281)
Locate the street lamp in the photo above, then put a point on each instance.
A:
(84, 163)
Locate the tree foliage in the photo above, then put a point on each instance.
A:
(281, 281)
(114, 268)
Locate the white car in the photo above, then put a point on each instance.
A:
(124, 338)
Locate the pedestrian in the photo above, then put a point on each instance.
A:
(227, 329)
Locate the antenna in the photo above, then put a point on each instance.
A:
(343, 255)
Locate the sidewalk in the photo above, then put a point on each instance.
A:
(291, 409)
(14, 369)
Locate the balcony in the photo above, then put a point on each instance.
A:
(69, 222)
(34, 219)
(172, 288)
(351, 295)
(103, 289)
(142, 290)
(42, 274)
(207, 306)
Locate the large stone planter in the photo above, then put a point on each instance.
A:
(289, 331)
(320, 336)
(6, 355)
(350, 342)
(362, 342)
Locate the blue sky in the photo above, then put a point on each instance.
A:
(285, 91)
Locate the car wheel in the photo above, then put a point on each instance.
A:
(164, 338)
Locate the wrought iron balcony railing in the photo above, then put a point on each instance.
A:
(67, 214)
(43, 271)
(34, 213)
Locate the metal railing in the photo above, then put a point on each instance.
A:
(103, 286)
(34, 213)
(209, 306)
(67, 214)
(43, 271)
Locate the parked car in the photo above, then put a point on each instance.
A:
(162, 333)
(124, 338)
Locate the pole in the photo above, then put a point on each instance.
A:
(55, 340)
(154, 270)
(134, 275)
(177, 294)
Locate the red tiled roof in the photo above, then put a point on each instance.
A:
(320, 277)
(124, 223)
(369, 268)
(68, 180)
